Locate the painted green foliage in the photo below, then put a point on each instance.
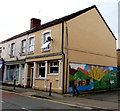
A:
(108, 81)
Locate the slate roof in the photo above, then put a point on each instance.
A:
(57, 21)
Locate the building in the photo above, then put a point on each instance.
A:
(78, 49)
(13, 54)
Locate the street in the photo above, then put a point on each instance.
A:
(29, 100)
(17, 101)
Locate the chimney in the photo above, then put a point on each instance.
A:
(35, 23)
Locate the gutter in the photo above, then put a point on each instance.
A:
(66, 57)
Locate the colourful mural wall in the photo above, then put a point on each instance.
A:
(89, 77)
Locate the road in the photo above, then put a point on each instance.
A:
(17, 101)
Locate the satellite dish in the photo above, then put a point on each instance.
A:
(49, 39)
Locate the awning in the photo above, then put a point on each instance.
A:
(45, 45)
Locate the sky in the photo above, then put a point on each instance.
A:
(15, 15)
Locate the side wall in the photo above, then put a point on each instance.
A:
(90, 41)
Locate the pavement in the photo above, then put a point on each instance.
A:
(85, 99)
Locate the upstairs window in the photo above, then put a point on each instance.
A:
(42, 70)
(45, 42)
(23, 46)
(12, 53)
(54, 67)
(31, 45)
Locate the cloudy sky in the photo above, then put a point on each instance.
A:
(15, 15)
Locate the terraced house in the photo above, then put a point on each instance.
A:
(78, 49)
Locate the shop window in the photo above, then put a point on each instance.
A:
(54, 67)
(10, 73)
(17, 73)
(42, 70)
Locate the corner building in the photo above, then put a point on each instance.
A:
(78, 49)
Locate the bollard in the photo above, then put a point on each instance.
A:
(50, 89)
(14, 83)
(109, 84)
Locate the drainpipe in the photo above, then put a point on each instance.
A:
(64, 91)
(66, 56)
(63, 56)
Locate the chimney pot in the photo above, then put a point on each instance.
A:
(35, 23)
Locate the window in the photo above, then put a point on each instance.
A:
(45, 37)
(0, 51)
(12, 49)
(54, 67)
(17, 72)
(31, 45)
(10, 73)
(42, 70)
(23, 47)
(45, 42)
(12, 70)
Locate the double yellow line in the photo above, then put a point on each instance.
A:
(73, 105)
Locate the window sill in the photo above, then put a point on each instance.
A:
(45, 50)
(11, 56)
(53, 74)
(41, 78)
(57, 79)
(22, 54)
(29, 53)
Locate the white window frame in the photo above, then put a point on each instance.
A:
(23, 48)
(56, 73)
(31, 45)
(40, 65)
(12, 50)
(44, 40)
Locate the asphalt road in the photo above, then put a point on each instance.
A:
(16, 101)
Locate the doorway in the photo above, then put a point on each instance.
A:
(31, 76)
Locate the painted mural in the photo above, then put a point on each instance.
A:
(89, 77)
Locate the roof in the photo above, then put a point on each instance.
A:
(57, 21)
